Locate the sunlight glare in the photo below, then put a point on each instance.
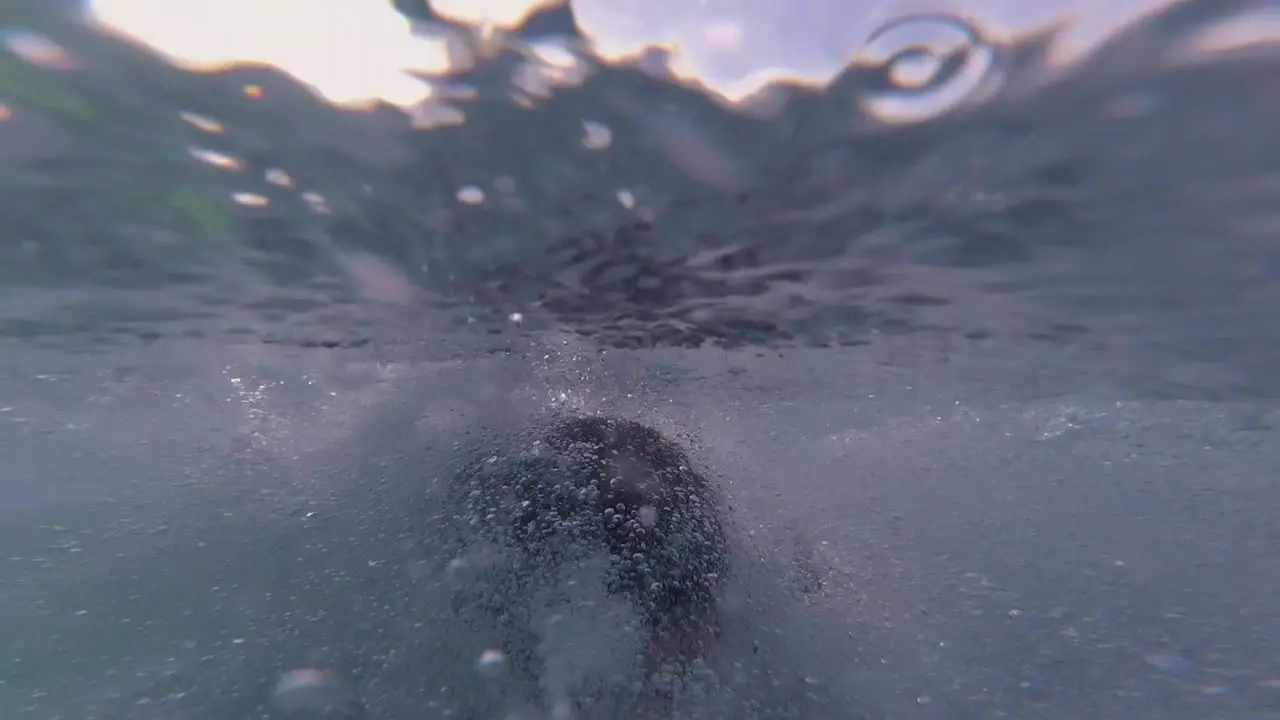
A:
(352, 52)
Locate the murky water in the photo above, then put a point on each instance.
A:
(968, 310)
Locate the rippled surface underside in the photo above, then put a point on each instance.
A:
(1124, 207)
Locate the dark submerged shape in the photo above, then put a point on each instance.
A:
(578, 485)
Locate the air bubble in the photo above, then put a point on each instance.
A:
(596, 136)
(278, 177)
(214, 158)
(311, 690)
(490, 663)
(648, 515)
(316, 202)
(37, 49)
(471, 195)
(250, 199)
(924, 67)
(201, 122)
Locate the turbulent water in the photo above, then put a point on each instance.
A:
(983, 364)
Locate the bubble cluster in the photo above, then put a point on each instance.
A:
(602, 513)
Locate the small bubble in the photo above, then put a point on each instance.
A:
(214, 158)
(596, 136)
(278, 177)
(648, 515)
(490, 663)
(200, 122)
(250, 199)
(316, 202)
(924, 67)
(310, 690)
(471, 195)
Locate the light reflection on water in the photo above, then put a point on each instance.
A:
(319, 48)
(733, 51)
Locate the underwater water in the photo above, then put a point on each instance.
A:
(964, 311)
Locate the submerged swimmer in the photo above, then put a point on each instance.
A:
(598, 517)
